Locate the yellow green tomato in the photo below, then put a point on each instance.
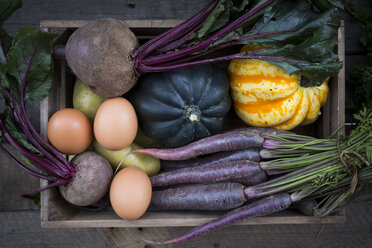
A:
(86, 100)
(144, 141)
(124, 158)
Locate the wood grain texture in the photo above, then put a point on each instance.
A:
(22, 229)
(34, 11)
(13, 183)
(337, 97)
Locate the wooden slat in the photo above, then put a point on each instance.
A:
(13, 183)
(171, 219)
(47, 108)
(338, 89)
(131, 23)
(22, 229)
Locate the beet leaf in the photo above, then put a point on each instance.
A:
(26, 74)
(30, 60)
(298, 36)
(7, 7)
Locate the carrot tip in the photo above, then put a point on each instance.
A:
(171, 241)
(144, 151)
(153, 242)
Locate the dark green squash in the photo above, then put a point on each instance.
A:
(180, 106)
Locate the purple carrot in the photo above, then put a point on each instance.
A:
(251, 154)
(260, 177)
(265, 206)
(306, 207)
(228, 141)
(216, 196)
(211, 173)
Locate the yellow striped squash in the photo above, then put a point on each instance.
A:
(265, 95)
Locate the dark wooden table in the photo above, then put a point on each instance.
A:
(20, 218)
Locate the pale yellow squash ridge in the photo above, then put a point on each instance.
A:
(317, 98)
(265, 95)
(299, 115)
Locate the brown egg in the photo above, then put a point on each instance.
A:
(70, 131)
(115, 124)
(130, 193)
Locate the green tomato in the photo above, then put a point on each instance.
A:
(124, 158)
(144, 141)
(86, 100)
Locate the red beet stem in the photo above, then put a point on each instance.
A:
(216, 196)
(233, 140)
(265, 206)
(243, 169)
(40, 163)
(187, 51)
(60, 162)
(174, 33)
(244, 55)
(49, 186)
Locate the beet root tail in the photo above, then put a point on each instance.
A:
(265, 206)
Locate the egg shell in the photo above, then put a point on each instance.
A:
(115, 124)
(130, 193)
(70, 131)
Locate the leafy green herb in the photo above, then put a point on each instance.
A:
(359, 81)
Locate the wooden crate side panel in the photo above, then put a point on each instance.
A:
(47, 108)
(338, 89)
(51, 206)
(178, 218)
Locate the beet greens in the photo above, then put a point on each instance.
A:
(299, 37)
(26, 74)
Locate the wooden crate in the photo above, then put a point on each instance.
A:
(56, 214)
